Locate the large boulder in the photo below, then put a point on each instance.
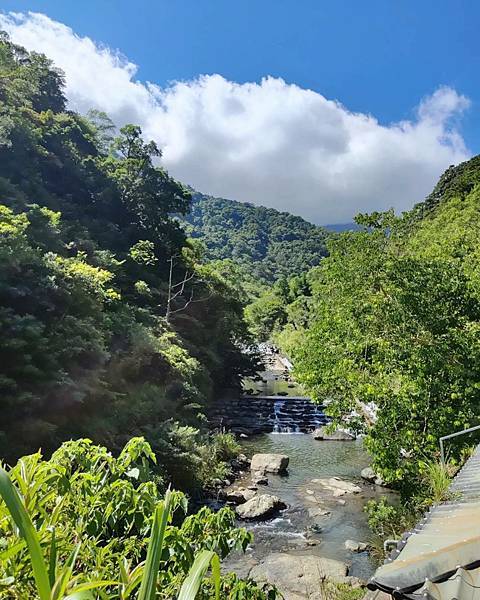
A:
(260, 507)
(337, 436)
(300, 577)
(269, 463)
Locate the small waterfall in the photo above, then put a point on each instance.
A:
(282, 423)
(296, 415)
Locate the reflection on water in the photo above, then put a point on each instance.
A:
(273, 383)
(295, 529)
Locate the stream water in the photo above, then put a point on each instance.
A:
(301, 528)
(296, 528)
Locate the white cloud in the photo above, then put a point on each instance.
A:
(270, 143)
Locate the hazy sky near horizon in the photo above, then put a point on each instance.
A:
(320, 108)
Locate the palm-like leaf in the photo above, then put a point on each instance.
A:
(28, 532)
(155, 548)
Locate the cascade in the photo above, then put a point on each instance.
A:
(267, 414)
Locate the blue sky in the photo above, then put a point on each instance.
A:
(378, 58)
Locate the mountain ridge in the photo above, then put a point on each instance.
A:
(268, 243)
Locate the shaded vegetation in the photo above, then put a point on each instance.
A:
(87, 238)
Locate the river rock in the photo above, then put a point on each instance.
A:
(269, 463)
(240, 495)
(314, 513)
(368, 474)
(259, 480)
(300, 577)
(338, 486)
(260, 507)
(354, 546)
(337, 436)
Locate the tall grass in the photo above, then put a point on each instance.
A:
(437, 477)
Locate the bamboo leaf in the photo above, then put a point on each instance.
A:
(216, 575)
(27, 531)
(63, 579)
(90, 585)
(52, 564)
(192, 583)
(155, 547)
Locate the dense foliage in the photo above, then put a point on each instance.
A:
(265, 243)
(88, 521)
(388, 327)
(110, 323)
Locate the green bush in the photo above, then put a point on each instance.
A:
(94, 519)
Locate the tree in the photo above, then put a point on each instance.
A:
(393, 329)
(147, 193)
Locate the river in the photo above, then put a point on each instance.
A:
(300, 528)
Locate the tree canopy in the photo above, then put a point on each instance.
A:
(265, 243)
(388, 328)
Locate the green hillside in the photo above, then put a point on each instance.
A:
(91, 344)
(267, 243)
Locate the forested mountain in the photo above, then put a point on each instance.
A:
(265, 243)
(93, 340)
(391, 319)
(110, 327)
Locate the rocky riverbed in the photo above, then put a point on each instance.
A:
(304, 506)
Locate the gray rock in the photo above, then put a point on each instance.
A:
(300, 577)
(239, 496)
(368, 474)
(336, 436)
(260, 507)
(259, 481)
(315, 513)
(269, 463)
(338, 486)
(354, 546)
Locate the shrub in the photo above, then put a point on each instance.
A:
(92, 520)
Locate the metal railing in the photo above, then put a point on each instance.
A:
(452, 435)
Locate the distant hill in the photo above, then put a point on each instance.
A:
(268, 243)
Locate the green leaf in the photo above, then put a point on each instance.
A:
(192, 583)
(155, 547)
(63, 579)
(52, 565)
(216, 575)
(27, 531)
